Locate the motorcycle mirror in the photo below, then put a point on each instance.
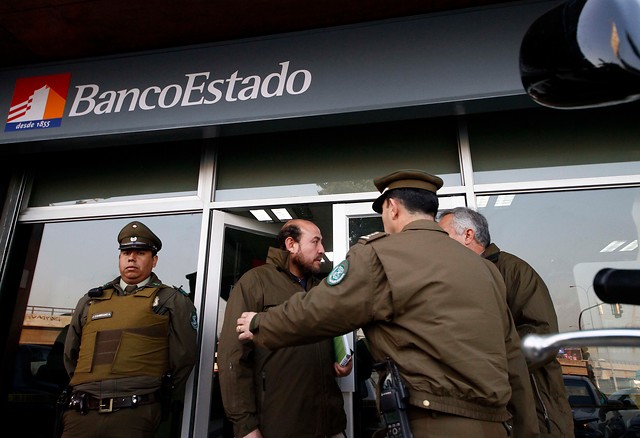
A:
(583, 54)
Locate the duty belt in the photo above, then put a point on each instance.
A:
(110, 404)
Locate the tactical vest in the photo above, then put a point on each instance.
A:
(123, 337)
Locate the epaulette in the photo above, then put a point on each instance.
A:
(97, 291)
(371, 237)
(182, 291)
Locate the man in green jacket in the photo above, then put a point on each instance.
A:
(433, 308)
(291, 392)
(124, 340)
(532, 309)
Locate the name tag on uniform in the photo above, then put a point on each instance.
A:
(101, 315)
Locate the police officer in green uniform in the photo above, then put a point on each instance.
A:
(432, 307)
(125, 338)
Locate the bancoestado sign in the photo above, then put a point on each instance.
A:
(39, 102)
(196, 89)
(373, 66)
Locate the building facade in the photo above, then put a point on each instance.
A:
(192, 140)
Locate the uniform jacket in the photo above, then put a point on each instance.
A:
(533, 312)
(286, 393)
(430, 305)
(181, 341)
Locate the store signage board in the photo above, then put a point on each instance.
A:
(390, 64)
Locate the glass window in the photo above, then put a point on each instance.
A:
(545, 144)
(116, 174)
(77, 256)
(568, 237)
(65, 261)
(333, 160)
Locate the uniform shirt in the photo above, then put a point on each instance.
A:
(433, 307)
(123, 284)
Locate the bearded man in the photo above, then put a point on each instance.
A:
(290, 392)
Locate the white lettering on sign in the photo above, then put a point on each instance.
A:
(198, 90)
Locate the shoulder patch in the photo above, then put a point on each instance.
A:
(371, 237)
(338, 273)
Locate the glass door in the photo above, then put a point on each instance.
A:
(350, 221)
(237, 244)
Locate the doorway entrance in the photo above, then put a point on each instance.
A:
(239, 243)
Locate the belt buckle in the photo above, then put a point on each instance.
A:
(105, 407)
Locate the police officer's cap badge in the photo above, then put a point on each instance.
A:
(338, 273)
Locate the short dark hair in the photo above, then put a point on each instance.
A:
(290, 230)
(416, 200)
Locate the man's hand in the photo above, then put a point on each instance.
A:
(244, 323)
(345, 370)
(254, 434)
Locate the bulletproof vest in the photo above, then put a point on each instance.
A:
(123, 337)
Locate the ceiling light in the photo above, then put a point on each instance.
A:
(482, 201)
(613, 246)
(630, 246)
(504, 200)
(281, 213)
(261, 215)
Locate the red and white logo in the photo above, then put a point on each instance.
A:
(38, 102)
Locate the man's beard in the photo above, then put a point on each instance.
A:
(305, 268)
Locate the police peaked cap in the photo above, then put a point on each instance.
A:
(136, 235)
(403, 179)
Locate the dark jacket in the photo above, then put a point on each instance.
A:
(432, 306)
(286, 393)
(533, 312)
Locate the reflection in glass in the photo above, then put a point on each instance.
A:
(333, 160)
(568, 237)
(545, 144)
(91, 176)
(359, 227)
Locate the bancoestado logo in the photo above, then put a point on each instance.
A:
(38, 102)
(197, 89)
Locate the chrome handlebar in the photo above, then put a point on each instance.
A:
(538, 347)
